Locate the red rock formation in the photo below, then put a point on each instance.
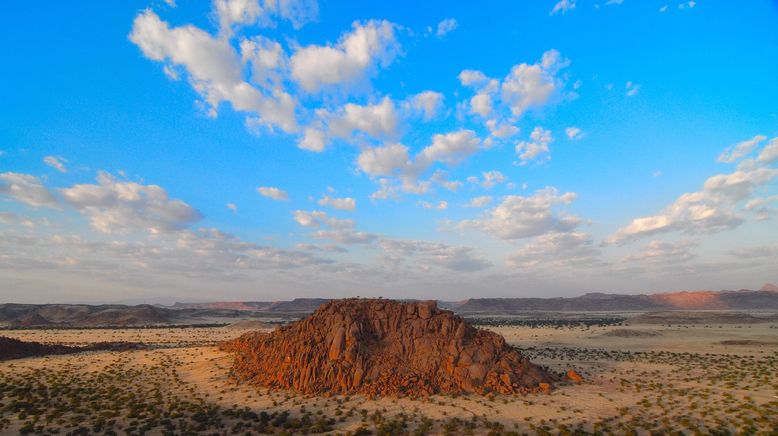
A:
(574, 376)
(383, 347)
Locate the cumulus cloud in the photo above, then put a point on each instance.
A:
(27, 189)
(116, 206)
(555, 250)
(427, 103)
(450, 148)
(664, 252)
(446, 26)
(479, 201)
(518, 217)
(489, 179)
(345, 203)
(267, 61)
(351, 121)
(536, 147)
(761, 207)
(273, 192)
(501, 131)
(368, 46)
(214, 69)
(435, 254)
(527, 86)
(441, 205)
(318, 218)
(574, 133)
(393, 160)
(234, 13)
(345, 236)
(56, 162)
(741, 149)
(387, 160)
(770, 152)
(713, 209)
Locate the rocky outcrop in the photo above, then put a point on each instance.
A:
(384, 347)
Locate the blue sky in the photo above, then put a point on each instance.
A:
(161, 151)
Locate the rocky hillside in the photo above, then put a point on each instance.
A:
(384, 347)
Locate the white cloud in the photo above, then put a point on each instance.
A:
(556, 250)
(56, 162)
(114, 206)
(435, 254)
(562, 6)
(27, 189)
(741, 149)
(518, 217)
(760, 206)
(713, 209)
(317, 218)
(441, 205)
(377, 120)
(273, 192)
(632, 89)
(526, 87)
(664, 252)
(232, 206)
(369, 45)
(450, 148)
(536, 147)
(769, 153)
(481, 104)
(268, 61)
(387, 160)
(215, 70)
(472, 78)
(479, 201)
(663, 8)
(446, 26)
(393, 160)
(687, 5)
(501, 131)
(492, 178)
(427, 103)
(574, 133)
(338, 230)
(346, 203)
(233, 13)
(345, 236)
(313, 140)
(351, 121)
(531, 86)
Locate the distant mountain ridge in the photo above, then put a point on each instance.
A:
(83, 315)
(600, 302)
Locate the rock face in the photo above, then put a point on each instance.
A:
(384, 347)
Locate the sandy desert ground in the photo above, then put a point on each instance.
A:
(638, 379)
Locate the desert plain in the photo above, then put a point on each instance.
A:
(645, 375)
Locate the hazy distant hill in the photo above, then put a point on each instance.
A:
(83, 315)
(303, 305)
(685, 300)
